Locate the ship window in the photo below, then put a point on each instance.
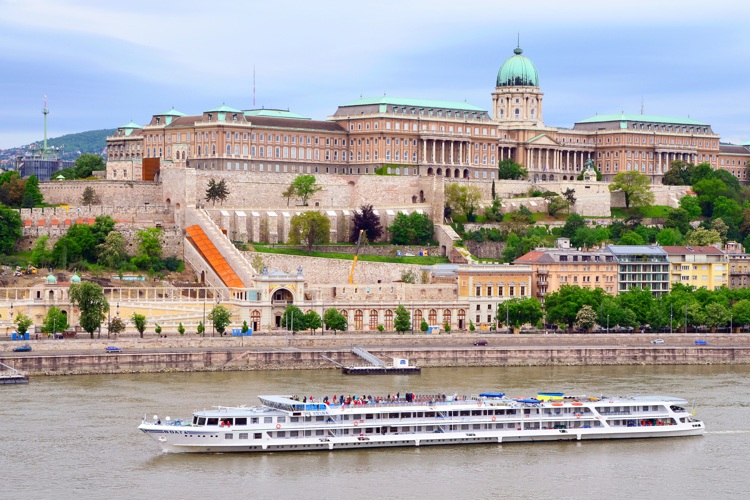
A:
(267, 420)
(202, 421)
(228, 436)
(294, 419)
(213, 421)
(281, 434)
(243, 435)
(293, 434)
(240, 421)
(257, 435)
(281, 419)
(253, 420)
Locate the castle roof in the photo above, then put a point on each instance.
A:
(518, 71)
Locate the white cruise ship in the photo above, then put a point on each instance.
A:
(290, 423)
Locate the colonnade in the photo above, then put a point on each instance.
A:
(446, 151)
(553, 160)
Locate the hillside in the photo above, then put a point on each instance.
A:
(92, 141)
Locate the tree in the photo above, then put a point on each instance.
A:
(520, 312)
(366, 220)
(557, 203)
(472, 328)
(139, 321)
(493, 193)
(23, 323)
(221, 318)
(89, 297)
(563, 305)
(334, 320)
(631, 238)
(741, 312)
(569, 194)
(10, 229)
(574, 222)
(635, 186)
(217, 191)
(181, 329)
(669, 237)
(424, 326)
(88, 163)
(716, 314)
(691, 205)
(41, 256)
(293, 319)
(200, 329)
(54, 321)
(90, 197)
(309, 228)
(413, 229)
(678, 219)
(304, 187)
(313, 321)
(157, 329)
(586, 318)
(508, 169)
(701, 237)
(288, 193)
(463, 199)
(679, 174)
(112, 252)
(409, 277)
(402, 321)
(149, 244)
(245, 327)
(31, 194)
(117, 325)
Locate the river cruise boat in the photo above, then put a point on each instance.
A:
(291, 423)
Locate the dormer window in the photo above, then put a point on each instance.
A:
(158, 120)
(234, 117)
(210, 117)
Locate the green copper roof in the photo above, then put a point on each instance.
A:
(274, 113)
(746, 144)
(131, 125)
(641, 118)
(223, 109)
(518, 71)
(171, 112)
(417, 103)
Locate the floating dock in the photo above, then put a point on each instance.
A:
(12, 376)
(377, 366)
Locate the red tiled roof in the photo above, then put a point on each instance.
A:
(211, 254)
(683, 250)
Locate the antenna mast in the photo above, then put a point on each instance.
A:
(253, 86)
(45, 112)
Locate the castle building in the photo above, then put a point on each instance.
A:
(420, 137)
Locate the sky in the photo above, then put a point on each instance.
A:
(103, 63)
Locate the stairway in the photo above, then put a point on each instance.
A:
(367, 356)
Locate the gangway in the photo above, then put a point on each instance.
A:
(367, 356)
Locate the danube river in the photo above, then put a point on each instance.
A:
(77, 437)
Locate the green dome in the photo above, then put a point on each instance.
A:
(518, 71)
(75, 279)
(51, 279)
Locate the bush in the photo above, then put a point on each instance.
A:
(381, 328)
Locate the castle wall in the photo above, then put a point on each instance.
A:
(111, 193)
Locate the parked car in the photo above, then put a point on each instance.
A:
(113, 350)
(701, 342)
(657, 341)
(481, 342)
(22, 348)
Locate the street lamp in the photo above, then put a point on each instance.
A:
(607, 323)
(671, 312)
(730, 323)
(507, 317)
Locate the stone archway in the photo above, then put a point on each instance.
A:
(466, 173)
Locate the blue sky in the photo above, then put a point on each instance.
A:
(103, 63)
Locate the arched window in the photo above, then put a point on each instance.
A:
(417, 319)
(447, 316)
(388, 320)
(518, 113)
(358, 319)
(432, 317)
(373, 319)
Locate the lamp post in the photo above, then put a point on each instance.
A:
(730, 323)
(607, 323)
(685, 318)
(507, 317)
(203, 333)
(671, 312)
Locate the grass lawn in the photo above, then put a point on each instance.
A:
(654, 211)
(425, 261)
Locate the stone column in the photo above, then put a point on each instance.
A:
(461, 152)
(434, 147)
(334, 233)
(240, 226)
(273, 227)
(284, 223)
(442, 152)
(255, 219)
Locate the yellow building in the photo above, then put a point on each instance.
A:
(486, 286)
(700, 267)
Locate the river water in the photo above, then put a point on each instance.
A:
(77, 437)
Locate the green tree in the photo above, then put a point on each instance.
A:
(10, 229)
(41, 256)
(305, 187)
(402, 321)
(678, 219)
(12, 189)
(366, 220)
(309, 228)
(221, 317)
(200, 329)
(117, 325)
(112, 252)
(472, 328)
(741, 312)
(700, 172)
(149, 242)
(54, 321)
(691, 205)
(702, 237)
(293, 319)
(557, 203)
(669, 237)
(288, 193)
(90, 197)
(245, 327)
(89, 297)
(32, 196)
(334, 320)
(631, 238)
(313, 321)
(423, 326)
(520, 312)
(463, 199)
(508, 169)
(570, 195)
(586, 318)
(181, 329)
(563, 305)
(716, 315)
(217, 191)
(635, 186)
(157, 329)
(573, 223)
(88, 163)
(413, 229)
(139, 321)
(23, 323)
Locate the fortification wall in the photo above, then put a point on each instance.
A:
(111, 193)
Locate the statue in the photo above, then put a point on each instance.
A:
(299, 271)
(589, 164)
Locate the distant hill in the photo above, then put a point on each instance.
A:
(92, 141)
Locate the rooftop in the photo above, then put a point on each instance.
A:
(636, 250)
(642, 119)
(417, 103)
(274, 113)
(695, 250)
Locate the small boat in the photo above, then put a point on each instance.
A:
(12, 376)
